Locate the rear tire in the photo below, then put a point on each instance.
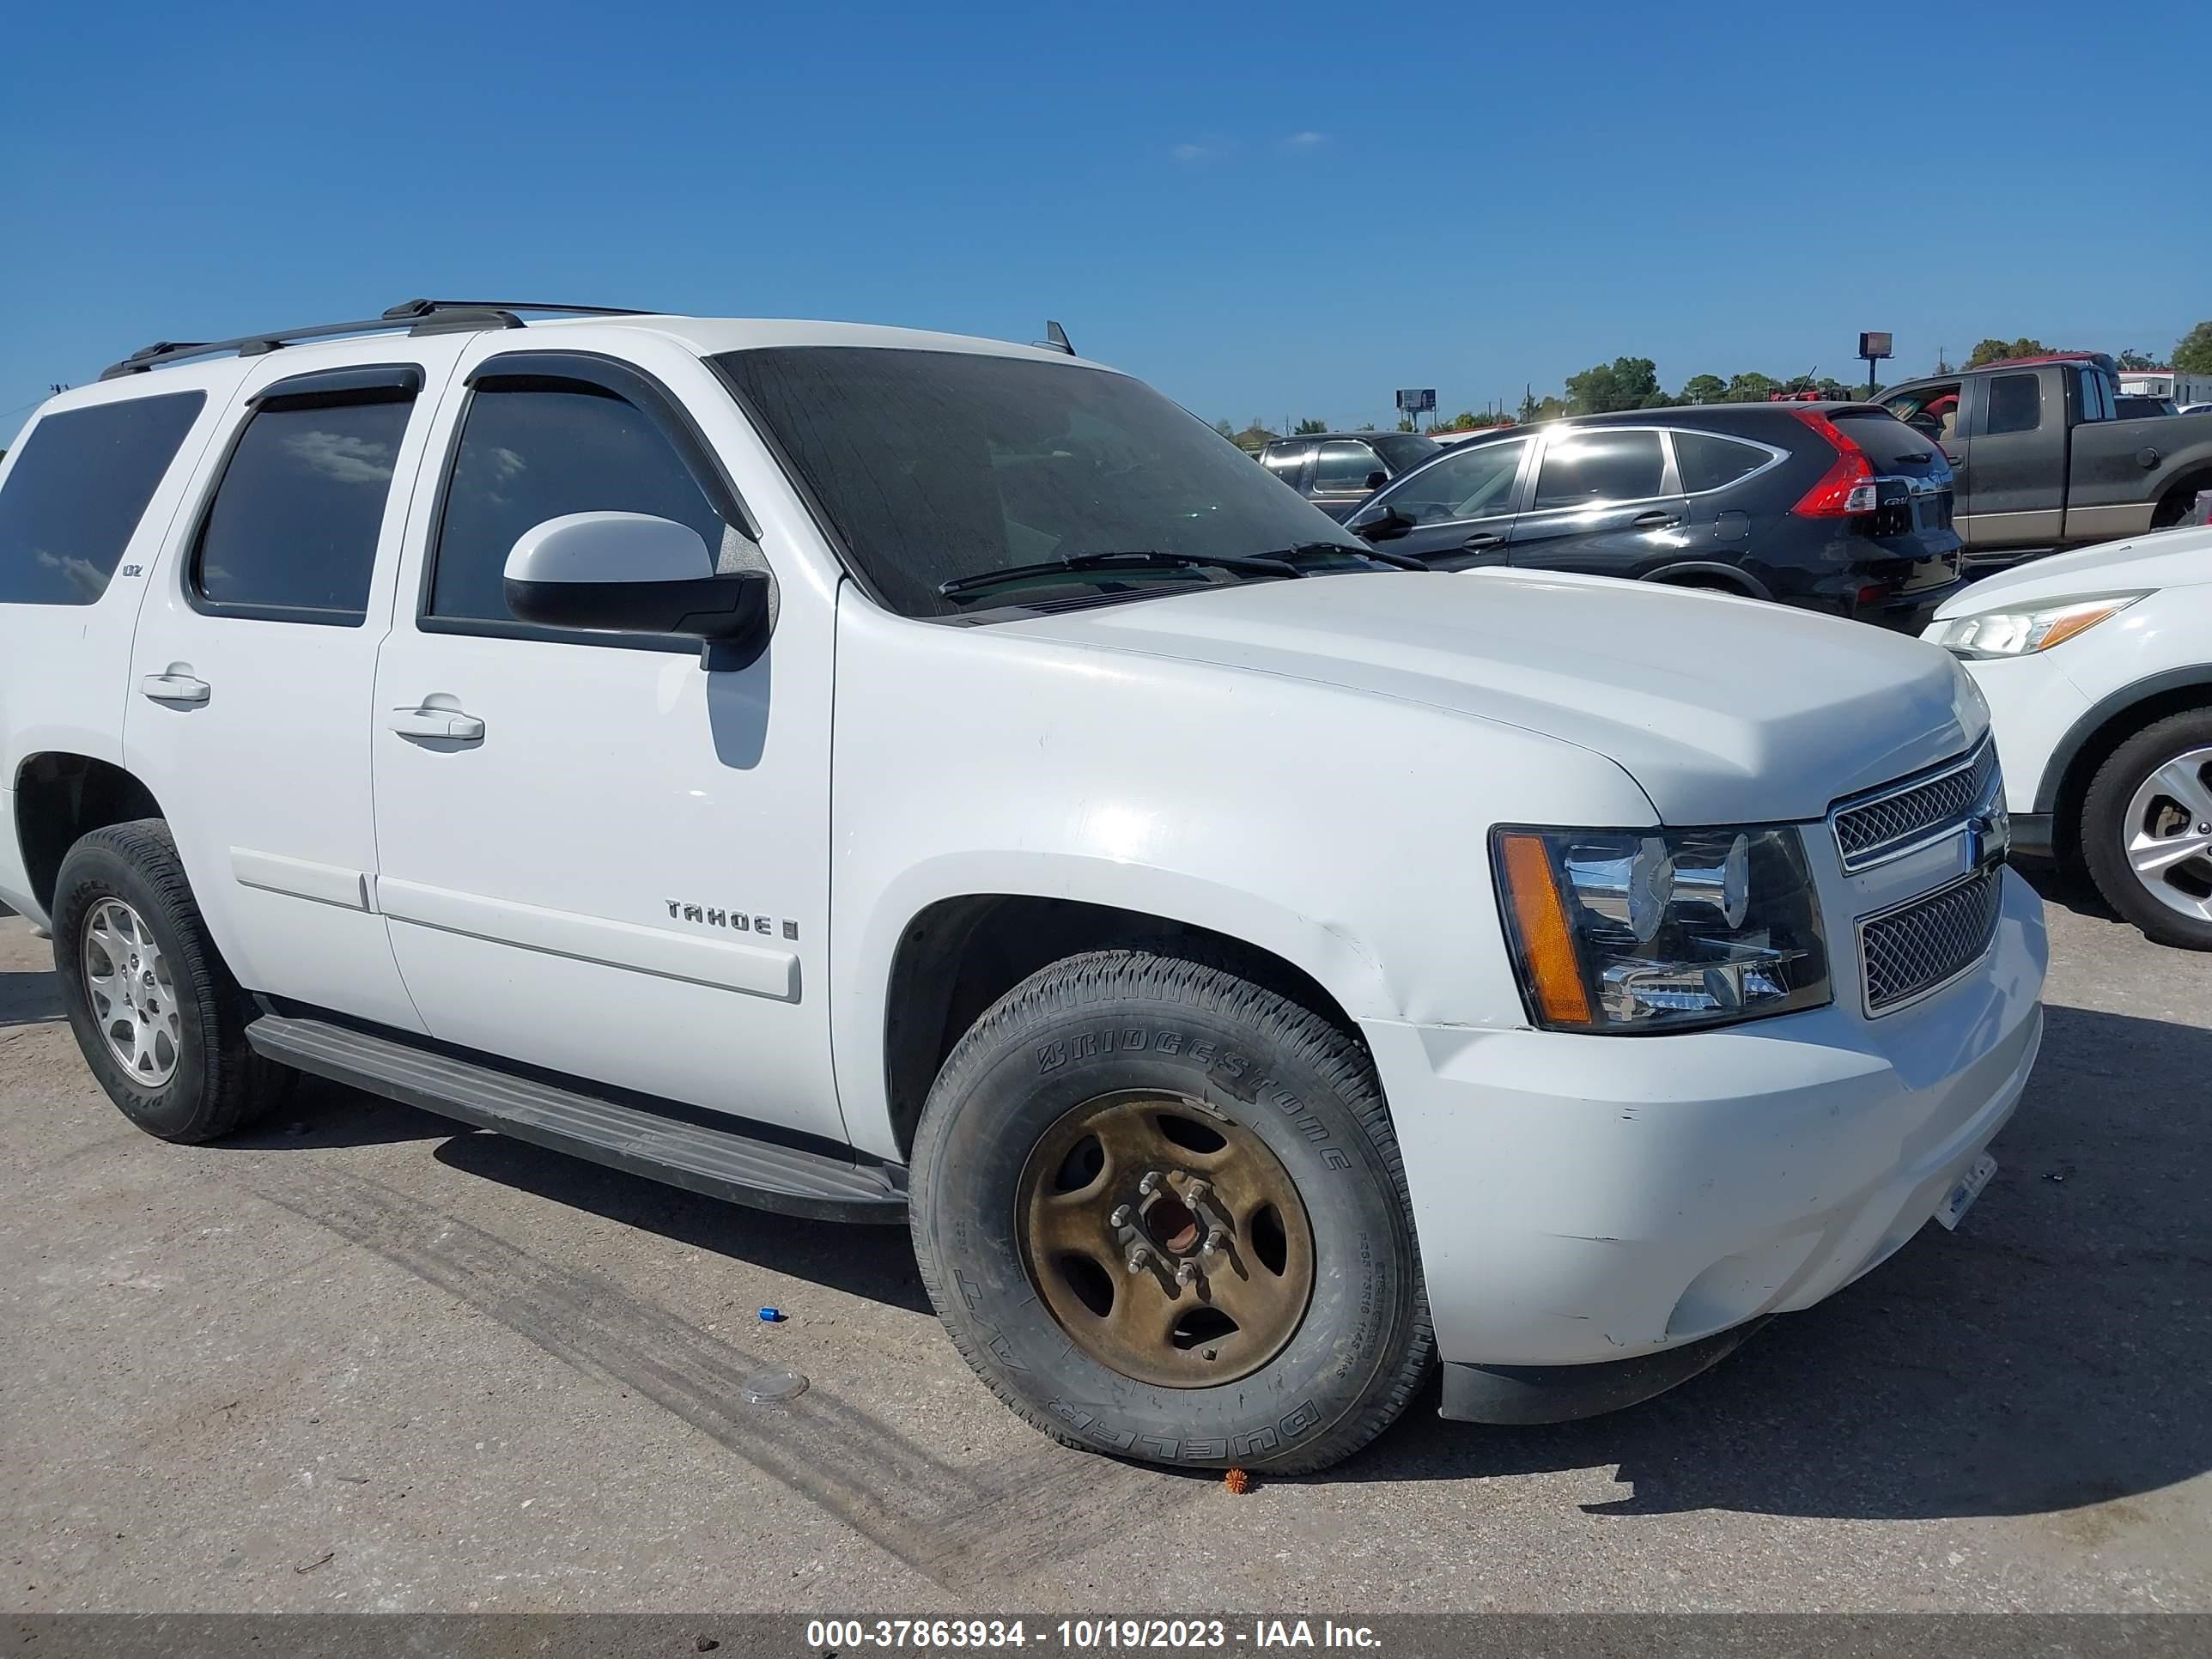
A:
(2156, 788)
(159, 1017)
(1223, 1093)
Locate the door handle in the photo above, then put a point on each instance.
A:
(437, 723)
(1657, 520)
(175, 688)
(1482, 538)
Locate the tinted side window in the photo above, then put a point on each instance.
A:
(529, 455)
(2100, 402)
(78, 490)
(2016, 403)
(1594, 466)
(294, 522)
(1285, 460)
(1707, 462)
(1473, 481)
(1345, 468)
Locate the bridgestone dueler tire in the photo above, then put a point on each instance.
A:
(219, 1085)
(1133, 1020)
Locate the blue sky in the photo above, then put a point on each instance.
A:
(1269, 210)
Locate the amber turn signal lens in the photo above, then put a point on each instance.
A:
(1547, 947)
(2067, 626)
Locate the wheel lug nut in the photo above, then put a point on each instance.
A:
(1196, 1190)
(1150, 1182)
(1215, 1240)
(1139, 1259)
(1120, 1218)
(1186, 1273)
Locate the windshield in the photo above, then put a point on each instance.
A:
(1403, 449)
(933, 465)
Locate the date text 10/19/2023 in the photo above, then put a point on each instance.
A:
(828, 1635)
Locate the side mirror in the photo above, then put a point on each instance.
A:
(1377, 480)
(631, 573)
(1387, 525)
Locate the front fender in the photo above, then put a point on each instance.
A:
(1344, 832)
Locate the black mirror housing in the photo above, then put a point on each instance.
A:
(728, 613)
(1386, 526)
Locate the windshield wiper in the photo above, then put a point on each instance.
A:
(1131, 559)
(1380, 556)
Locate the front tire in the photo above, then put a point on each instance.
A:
(2147, 829)
(1162, 1214)
(159, 1020)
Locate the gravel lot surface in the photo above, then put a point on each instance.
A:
(360, 1360)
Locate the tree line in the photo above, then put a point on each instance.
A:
(1633, 383)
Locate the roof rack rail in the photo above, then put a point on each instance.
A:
(416, 316)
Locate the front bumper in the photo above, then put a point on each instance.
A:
(1585, 1199)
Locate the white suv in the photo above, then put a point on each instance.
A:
(2098, 668)
(889, 776)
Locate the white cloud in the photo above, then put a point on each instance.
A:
(1189, 153)
(342, 456)
(1307, 139)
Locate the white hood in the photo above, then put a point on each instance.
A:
(1725, 710)
(2171, 558)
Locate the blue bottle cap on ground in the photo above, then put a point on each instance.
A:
(772, 1316)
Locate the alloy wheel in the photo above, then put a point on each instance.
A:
(132, 997)
(2168, 827)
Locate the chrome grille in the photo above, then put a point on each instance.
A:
(1928, 942)
(1902, 816)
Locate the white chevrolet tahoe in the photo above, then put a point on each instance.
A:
(888, 776)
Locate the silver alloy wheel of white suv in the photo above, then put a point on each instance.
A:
(128, 983)
(2168, 827)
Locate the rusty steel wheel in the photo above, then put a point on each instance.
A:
(1168, 1241)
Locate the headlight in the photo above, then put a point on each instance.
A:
(2031, 627)
(1659, 930)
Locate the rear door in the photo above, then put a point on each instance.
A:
(2111, 463)
(1463, 504)
(2015, 469)
(1608, 502)
(248, 713)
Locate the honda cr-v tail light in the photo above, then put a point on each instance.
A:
(1845, 488)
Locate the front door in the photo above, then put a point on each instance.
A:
(1461, 504)
(2011, 490)
(1606, 502)
(254, 659)
(595, 856)
(1345, 473)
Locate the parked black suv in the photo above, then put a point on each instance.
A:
(1337, 471)
(1835, 506)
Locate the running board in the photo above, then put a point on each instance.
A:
(718, 1163)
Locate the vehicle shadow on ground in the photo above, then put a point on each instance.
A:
(28, 998)
(2070, 889)
(871, 1261)
(2054, 1353)
(322, 1114)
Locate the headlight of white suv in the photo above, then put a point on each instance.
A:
(1622, 932)
(2027, 629)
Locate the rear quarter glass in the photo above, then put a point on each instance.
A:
(76, 495)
